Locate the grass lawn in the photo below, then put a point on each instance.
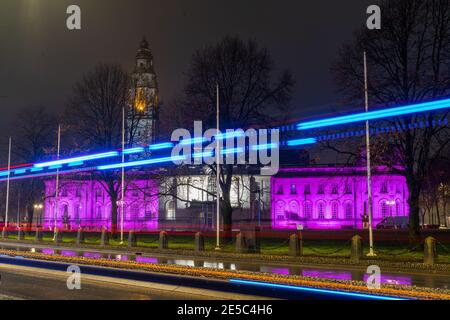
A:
(269, 246)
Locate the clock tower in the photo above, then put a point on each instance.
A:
(143, 107)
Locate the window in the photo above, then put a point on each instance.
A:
(321, 189)
(334, 210)
(384, 188)
(279, 212)
(294, 210)
(384, 209)
(334, 189)
(348, 188)
(99, 212)
(348, 211)
(78, 192)
(170, 210)
(76, 210)
(308, 210)
(280, 190)
(98, 193)
(321, 210)
(307, 189)
(397, 208)
(293, 189)
(135, 212)
(64, 192)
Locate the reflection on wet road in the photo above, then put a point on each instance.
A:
(421, 280)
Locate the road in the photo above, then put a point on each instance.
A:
(18, 282)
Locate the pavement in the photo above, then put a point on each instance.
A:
(19, 282)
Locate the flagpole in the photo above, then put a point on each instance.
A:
(123, 176)
(217, 170)
(369, 178)
(55, 230)
(7, 183)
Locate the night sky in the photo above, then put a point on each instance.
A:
(40, 59)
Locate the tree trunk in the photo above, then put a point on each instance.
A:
(414, 212)
(227, 213)
(30, 213)
(438, 213)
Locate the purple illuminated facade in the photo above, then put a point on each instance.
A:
(85, 203)
(316, 198)
(334, 198)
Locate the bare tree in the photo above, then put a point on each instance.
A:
(248, 95)
(94, 119)
(408, 62)
(34, 128)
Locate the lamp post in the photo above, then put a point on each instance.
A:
(369, 179)
(55, 230)
(217, 171)
(7, 184)
(122, 186)
(38, 207)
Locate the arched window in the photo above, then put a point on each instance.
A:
(279, 210)
(320, 210)
(384, 209)
(308, 210)
(348, 211)
(98, 212)
(64, 212)
(76, 211)
(334, 210)
(294, 210)
(135, 212)
(397, 208)
(170, 210)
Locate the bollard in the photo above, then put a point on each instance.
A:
(38, 237)
(132, 241)
(295, 245)
(430, 255)
(252, 240)
(241, 246)
(80, 236)
(163, 241)
(104, 238)
(356, 252)
(57, 237)
(199, 242)
(4, 233)
(20, 234)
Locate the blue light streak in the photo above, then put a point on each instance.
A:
(232, 150)
(192, 141)
(265, 146)
(378, 114)
(229, 135)
(315, 290)
(133, 150)
(75, 164)
(301, 142)
(78, 159)
(141, 163)
(160, 146)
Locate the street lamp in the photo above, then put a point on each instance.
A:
(39, 206)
